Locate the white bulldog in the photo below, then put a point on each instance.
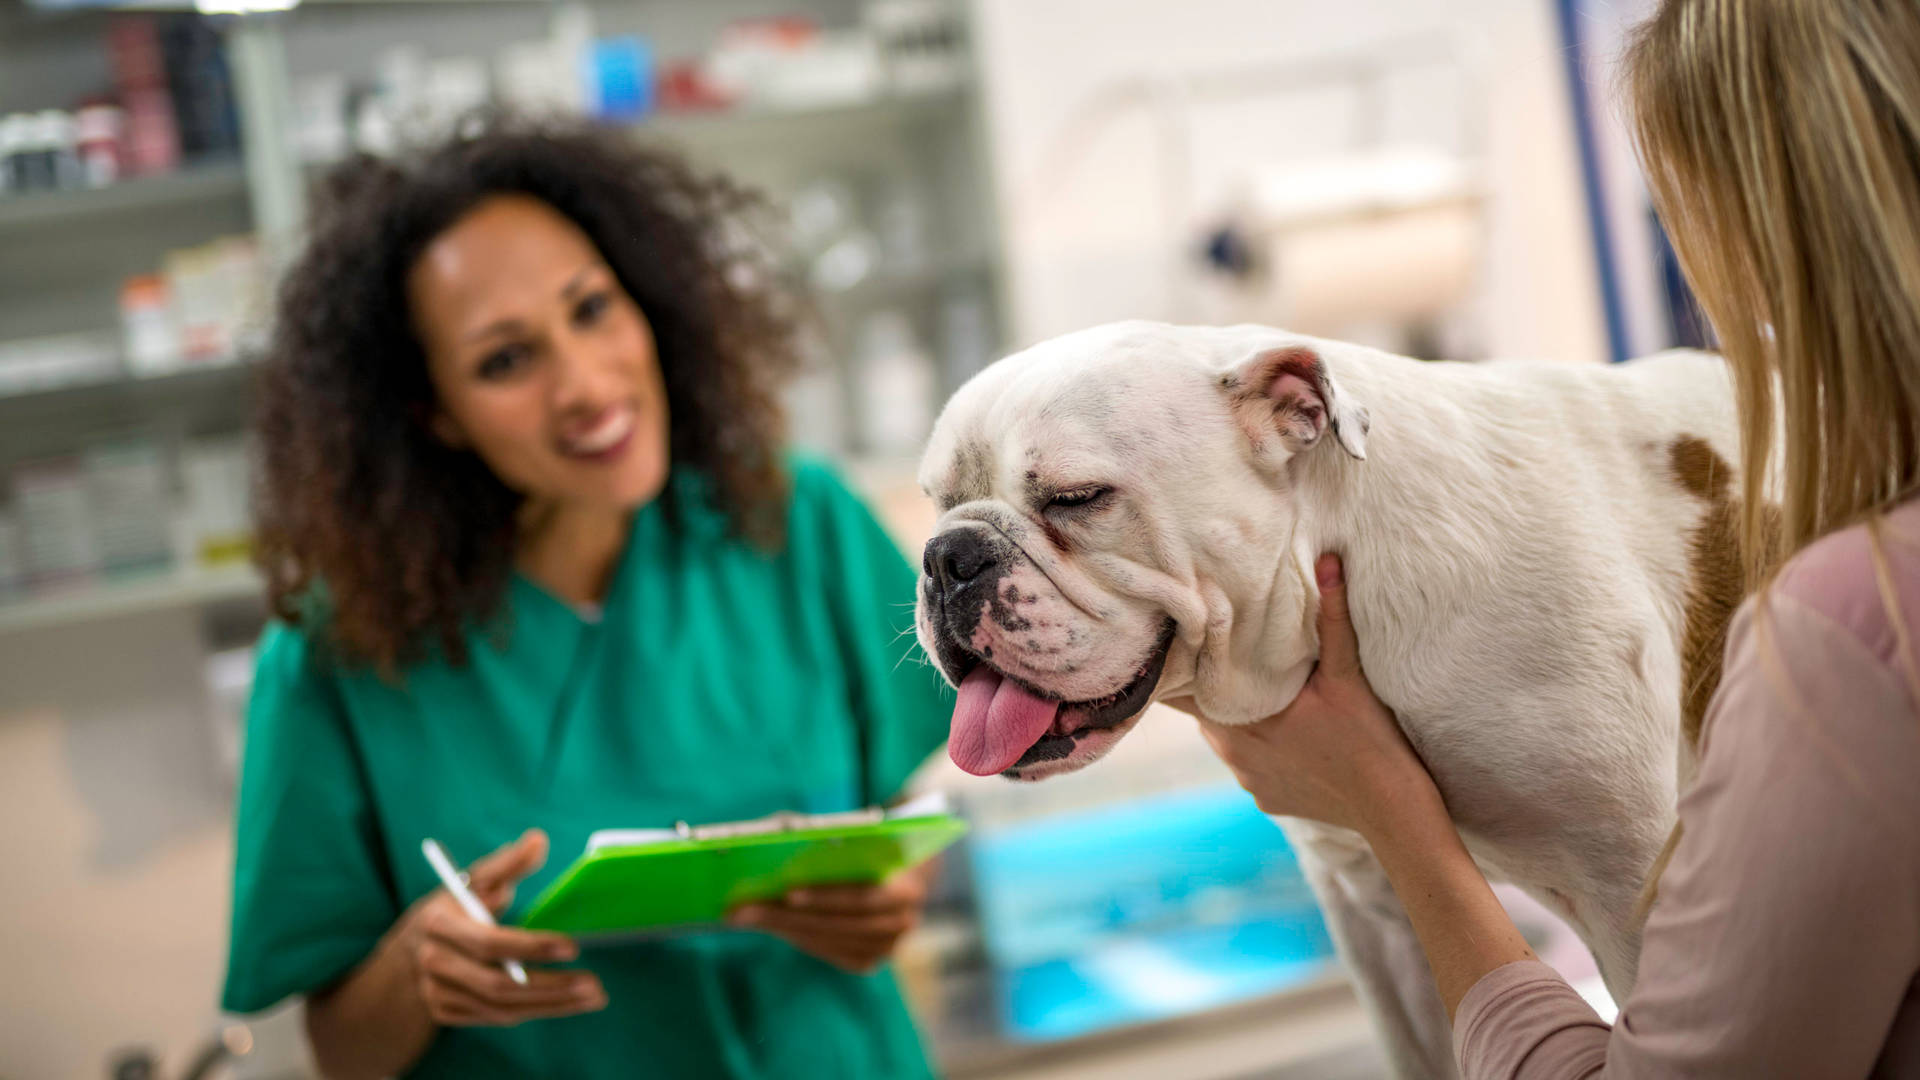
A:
(1540, 563)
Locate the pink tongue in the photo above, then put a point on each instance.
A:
(994, 722)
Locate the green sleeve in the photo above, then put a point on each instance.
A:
(311, 895)
(901, 703)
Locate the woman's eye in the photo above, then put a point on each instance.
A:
(591, 308)
(1078, 498)
(503, 361)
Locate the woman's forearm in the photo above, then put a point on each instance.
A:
(373, 1023)
(1462, 927)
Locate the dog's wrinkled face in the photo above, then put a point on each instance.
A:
(1108, 502)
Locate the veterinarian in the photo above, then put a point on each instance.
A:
(1781, 138)
(540, 569)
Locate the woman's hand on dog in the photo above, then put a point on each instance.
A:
(852, 927)
(1335, 754)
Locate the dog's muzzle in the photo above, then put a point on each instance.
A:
(964, 566)
(955, 559)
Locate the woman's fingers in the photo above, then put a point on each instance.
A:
(461, 990)
(457, 1004)
(853, 952)
(856, 940)
(787, 921)
(458, 958)
(854, 927)
(451, 1006)
(903, 891)
(1339, 649)
(446, 923)
(508, 864)
(544, 989)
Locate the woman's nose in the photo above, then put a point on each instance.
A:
(585, 375)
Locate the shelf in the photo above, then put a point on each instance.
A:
(53, 420)
(198, 376)
(161, 591)
(758, 124)
(192, 183)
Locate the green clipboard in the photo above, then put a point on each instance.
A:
(695, 877)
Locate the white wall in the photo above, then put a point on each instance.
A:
(1084, 237)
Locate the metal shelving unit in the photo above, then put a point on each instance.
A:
(196, 182)
(207, 375)
(132, 595)
(919, 136)
(719, 128)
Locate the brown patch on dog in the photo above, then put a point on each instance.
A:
(1717, 585)
(1716, 578)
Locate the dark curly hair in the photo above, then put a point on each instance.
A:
(404, 542)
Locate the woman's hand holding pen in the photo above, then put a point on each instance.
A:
(456, 960)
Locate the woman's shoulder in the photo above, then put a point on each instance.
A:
(1863, 582)
(285, 649)
(816, 493)
(301, 656)
(815, 479)
(822, 500)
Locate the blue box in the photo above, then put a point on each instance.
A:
(623, 77)
(1142, 910)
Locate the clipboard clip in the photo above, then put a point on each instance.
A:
(782, 821)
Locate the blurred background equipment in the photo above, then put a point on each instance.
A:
(949, 180)
(1379, 239)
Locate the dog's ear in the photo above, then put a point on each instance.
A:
(1287, 394)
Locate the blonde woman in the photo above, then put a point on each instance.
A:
(1782, 138)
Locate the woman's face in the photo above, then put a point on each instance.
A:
(541, 362)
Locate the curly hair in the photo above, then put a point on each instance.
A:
(410, 542)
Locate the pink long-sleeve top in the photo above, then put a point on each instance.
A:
(1786, 941)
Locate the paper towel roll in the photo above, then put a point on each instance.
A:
(1397, 267)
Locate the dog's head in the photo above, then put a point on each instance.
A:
(1116, 514)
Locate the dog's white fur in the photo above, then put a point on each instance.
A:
(1517, 548)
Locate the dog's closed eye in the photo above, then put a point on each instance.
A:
(1078, 498)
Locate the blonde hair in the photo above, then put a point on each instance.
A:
(1781, 140)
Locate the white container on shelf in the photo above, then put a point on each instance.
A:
(14, 138)
(56, 520)
(99, 131)
(127, 486)
(214, 473)
(842, 67)
(58, 140)
(922, 41)
(146, 320)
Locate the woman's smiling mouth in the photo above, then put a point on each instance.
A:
(606, 438)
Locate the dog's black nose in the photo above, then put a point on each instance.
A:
(956, 557)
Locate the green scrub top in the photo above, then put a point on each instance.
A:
(720, 682)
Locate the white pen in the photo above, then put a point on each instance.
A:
(456, 883)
